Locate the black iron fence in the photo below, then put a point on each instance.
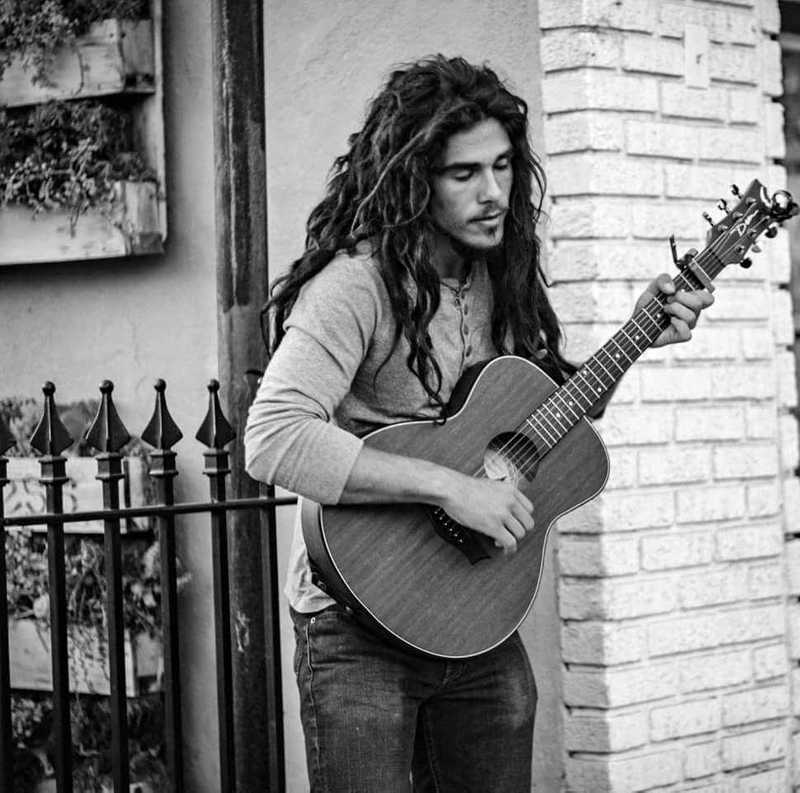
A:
(107, 435)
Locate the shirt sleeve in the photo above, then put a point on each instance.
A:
(291, 439)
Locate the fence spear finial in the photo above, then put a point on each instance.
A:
(107, 432)
(50, 436)
(215, 431)
(162, 432)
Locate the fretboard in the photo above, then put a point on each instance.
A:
(600, 373)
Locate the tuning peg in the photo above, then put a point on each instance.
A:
(771, 232)
(735, 190)
(722, 205)
(746, 263)
(754, 248)
(708, 219)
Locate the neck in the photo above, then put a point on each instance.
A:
(449, 257)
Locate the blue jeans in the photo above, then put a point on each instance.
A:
(378, 719)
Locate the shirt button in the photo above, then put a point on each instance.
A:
(466, 309)
(466, 329)
(469, 351)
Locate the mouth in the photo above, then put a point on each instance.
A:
(489, 218)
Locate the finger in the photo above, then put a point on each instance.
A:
(696, 301)
(515, 527)
(683, 312)
(663, 283)
(506, 541)
(526, 503)
(524, 517)
(682, 329)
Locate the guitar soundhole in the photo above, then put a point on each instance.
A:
(510, 456)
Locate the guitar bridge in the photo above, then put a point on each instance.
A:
(469, 542)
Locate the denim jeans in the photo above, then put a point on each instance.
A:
(378, 719)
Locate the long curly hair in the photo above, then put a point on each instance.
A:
(379, 191)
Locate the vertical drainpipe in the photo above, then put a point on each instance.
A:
(241, 235)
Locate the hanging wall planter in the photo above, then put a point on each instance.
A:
(130, 227)
(81, 130)
(74, 186)
(114, 57)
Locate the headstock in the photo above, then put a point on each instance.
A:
(734, 236)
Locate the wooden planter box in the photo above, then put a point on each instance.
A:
(115, 56)
(133, 226)
(31, 670)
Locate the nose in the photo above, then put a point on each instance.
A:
(490, 189)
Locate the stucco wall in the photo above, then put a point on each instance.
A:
(135, 320)
(323, 65)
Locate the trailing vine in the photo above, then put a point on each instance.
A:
(32, 723)
(34, 29)
(67, 155)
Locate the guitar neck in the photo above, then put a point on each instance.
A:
(603, 370)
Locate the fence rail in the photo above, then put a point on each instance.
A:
(108, 436)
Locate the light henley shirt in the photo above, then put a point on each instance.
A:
(334, 377)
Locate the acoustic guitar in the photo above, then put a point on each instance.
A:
(419, 578)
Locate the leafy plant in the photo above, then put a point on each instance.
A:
(27, 596)
(66, 154)
(32, 723)
(35, 29)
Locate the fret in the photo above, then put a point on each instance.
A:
(585, 396)
(642, 330)
(622, 350)
(613, 360)
(636, 346)
(595, 389)
(546, 407)
(565, 404)
(546, 425)
(659, 314)
(600, 364)
(549, 442)
(595, 360)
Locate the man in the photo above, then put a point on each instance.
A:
(421, 260)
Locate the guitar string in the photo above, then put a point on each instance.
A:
(520, 444)
(655, 304)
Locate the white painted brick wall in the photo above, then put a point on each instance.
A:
(753, 748)
(701, 759)
(674, 550)
(712, 671)
(687, 718)
(770, 662)
(760, 704)
(749, 542)
(602, 643)
(580, 131)
(592, 731)
(673, 584)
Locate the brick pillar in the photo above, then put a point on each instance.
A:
(673, 595)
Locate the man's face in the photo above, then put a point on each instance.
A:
(472, 184)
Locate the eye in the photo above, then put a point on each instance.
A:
(503, 164)
(462, 174)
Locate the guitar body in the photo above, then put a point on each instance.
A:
(409, 582)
